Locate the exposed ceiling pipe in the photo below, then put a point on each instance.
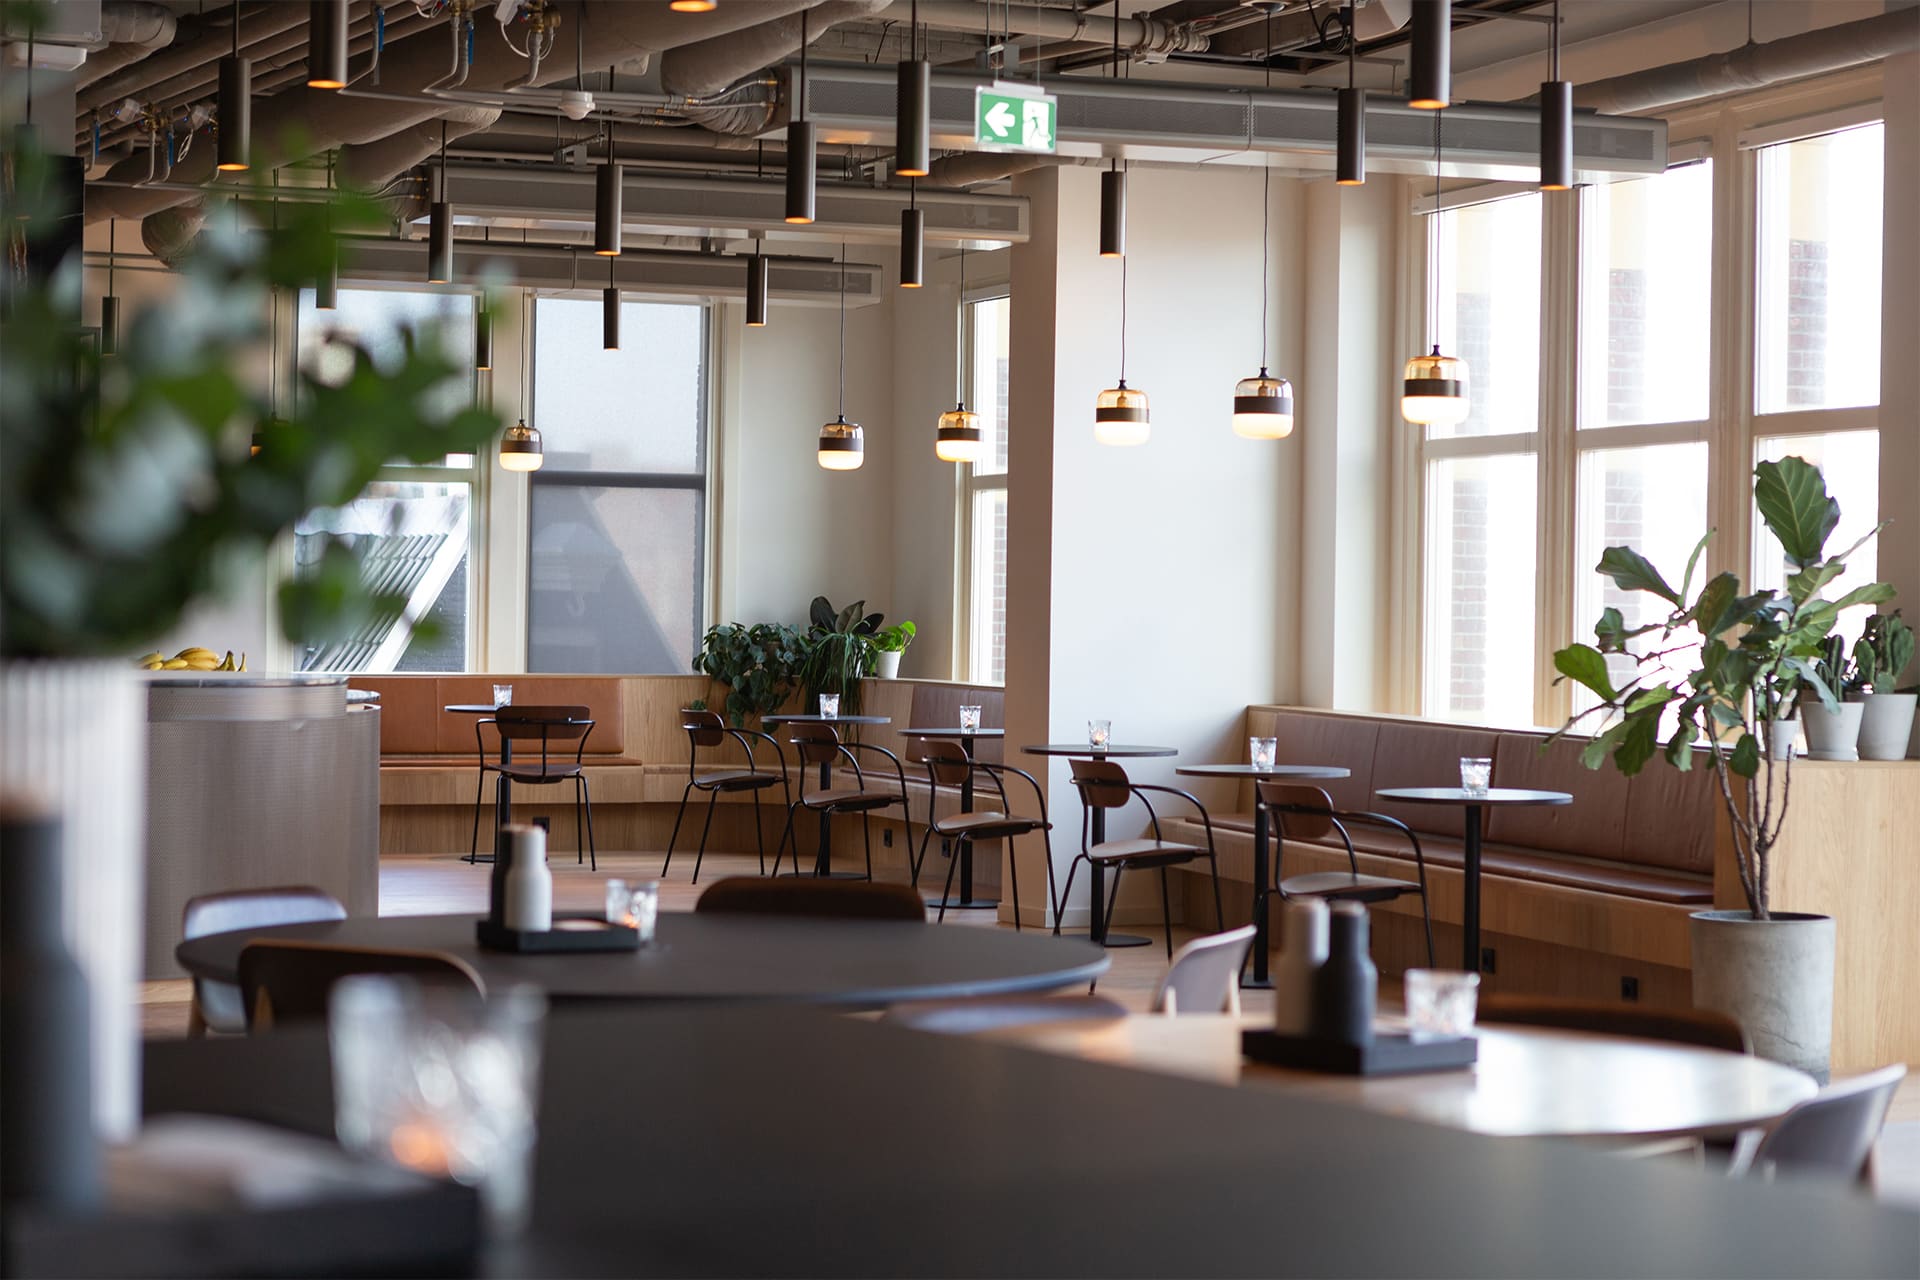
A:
(133, 29)
(1143, 37)
(970, 168)
(708, 66)
(208, 39)
(1754, 66)
(364, 166)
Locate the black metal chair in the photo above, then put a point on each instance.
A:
(1104, 785)
(948, 764)
(707, 729)
(1308, 814)
(219, 1006)
(549, 725)
(817, 743)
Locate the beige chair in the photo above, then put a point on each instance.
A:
(1831, 1133)
(218, 1006)
(1205, 975)
(285, 981)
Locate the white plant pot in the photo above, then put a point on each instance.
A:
(1782, 736)
(1831, 735)
(74, 735)
(889, 668)
(1774, 977)
(1886, 722)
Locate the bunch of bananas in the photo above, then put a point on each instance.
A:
(192, 658)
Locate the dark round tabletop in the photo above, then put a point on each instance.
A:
(1112, 751)
(797, 719)
(1460, 795)
(471, 708)
(953, 733)
(1274, 772)
(858, 963)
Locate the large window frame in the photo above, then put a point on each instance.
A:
(972, 482)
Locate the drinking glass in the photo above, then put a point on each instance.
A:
(1476, 774)
(970, 719)
(643, 908)
(503, 695)
(1099, 733)
(619, 901)
(441, 1082)
(1440, 1003)
(830, 706)
(1262, 751)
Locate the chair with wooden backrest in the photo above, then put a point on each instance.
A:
(807, 896)
(818, 743)
(547, 725)
(1831, 1133)
(1307, 813)
(1700, 1027)
(948, 765)
(1205, 976)
(285, 981)
(975, 1014)
(218, 1006)
(707, 729)
(1104, 785)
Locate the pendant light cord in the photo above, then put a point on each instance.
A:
(1556, 41)
(1123, 320)
(843, 330)
(1266, 186)
(1351, 43)
(960, 366)
(1433, 243)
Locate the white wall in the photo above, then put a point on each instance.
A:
(1899, 549)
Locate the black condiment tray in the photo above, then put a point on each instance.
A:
(1390, 1054)
(572, 933)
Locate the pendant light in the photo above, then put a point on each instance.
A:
(440, 222)
(1434, 392)
(520, 445)
(110, 305)
(607, 185)
(483, 335)
(757, 286)
(800, 158)
(912, 149)
(236, 106)
(913, 237)
(958, 438)
(693, 6)
(610, 312)
(1556, 121)
(327, 44)
(326, 286)
(1351, 170)
(1113, 183)
(1430, 72)
(843, 445)
(1120, 413)
(1263, 406)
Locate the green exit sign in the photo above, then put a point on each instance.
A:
(1008, 118)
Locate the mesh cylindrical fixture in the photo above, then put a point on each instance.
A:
(1113, 214)
(109, 325)
(440, 243)
(1352, 163)
(327, 44)
(607, 185)
(800, 175)
(913, 235)
(1435, 390)
(610, 318)
(236, 112)
(1430, 74)
(843, 445)
(483, 338)
(912, 152)
(959, 438)
(1556, 135)
(757, 290)
(1263, 408)
(1120, 416)
(521, 448)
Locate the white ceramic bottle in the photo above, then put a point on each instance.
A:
(529, 906)
(1303, 949)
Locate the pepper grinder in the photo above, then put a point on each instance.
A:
(1346, 987)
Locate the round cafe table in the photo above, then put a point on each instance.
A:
(1268, 773)
(823, 860)
(1473, 802)
(1097, 822)
(849, 963)
(966, 738)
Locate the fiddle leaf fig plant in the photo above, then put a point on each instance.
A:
(1755, 650)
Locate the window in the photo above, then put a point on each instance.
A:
(617, 522)
(413, 530)
(984, 513)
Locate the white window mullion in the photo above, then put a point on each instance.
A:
(1559, 407)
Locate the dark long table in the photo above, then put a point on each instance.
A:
(784, 1141)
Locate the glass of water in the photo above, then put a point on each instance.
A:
(503, 695)
(1099, 733)
(1476, 774)
(439, 1081)
(1441, 1003)
(1262, 751)
(643, 908)
(830, 706)
(970, 719)
(619, 901)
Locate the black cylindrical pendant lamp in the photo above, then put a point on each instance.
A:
(913, 235)
(440, 243)
(607, 209)
(327, 44)
(1352, 165)
(326, 288)
(109, 325)
(757, 290)
(236, 112)
(800, 173)
(1556, 135)
(913, 152)
(610, 318)
(483, 338)
(1113, 214)
(1429, 75)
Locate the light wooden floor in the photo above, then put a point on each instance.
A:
(423, 885)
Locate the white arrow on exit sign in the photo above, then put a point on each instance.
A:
(1000, 119)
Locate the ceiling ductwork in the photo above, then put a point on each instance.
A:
(1145, 38)
(708, 66)
(131, 30)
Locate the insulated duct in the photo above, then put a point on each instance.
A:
(708, 66)
(1140, 37)
(133, 29)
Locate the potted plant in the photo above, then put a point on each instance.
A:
(1833, 727)
(1772, 971)
(892, 642)
(760, 665)
(1881, 653)
(842, 651)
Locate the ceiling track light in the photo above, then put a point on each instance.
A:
(1556, 120)
(913, 104)
(327, 44)
(958, 437)
(521, 448)
(800, 157)
(236, 106)
(843, 445)
(1263, 405)
(757, 287)
(1430, 70)
(109, 304)
(440, 222)
(1351, 163)
(913, 238)
(1434, 389)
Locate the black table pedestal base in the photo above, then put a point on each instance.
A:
(957, 904)
(1125, 940)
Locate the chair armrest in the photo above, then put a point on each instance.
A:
(1206, 822)
(899, 770)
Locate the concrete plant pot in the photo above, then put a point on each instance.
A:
(889, 668)
(1886, 722)
(1831, 735)
(1783, 734)
(1774, 977)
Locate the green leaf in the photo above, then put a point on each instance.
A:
(1792, 498)
(1639, 742)
(1745, 760)
(1658, 696)
(1806, 584)
(1632, 571)
(1711, 612)
(1679, 750)
(1594, 754)
(1693, 561)
(1585, 665)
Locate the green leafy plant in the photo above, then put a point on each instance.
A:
(130, 485)
(842, 650)
(1882, 652)
(760, 665)
(896, 638)
(1755, 650)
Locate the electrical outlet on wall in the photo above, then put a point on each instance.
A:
(1629, 988)
(886, 837)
